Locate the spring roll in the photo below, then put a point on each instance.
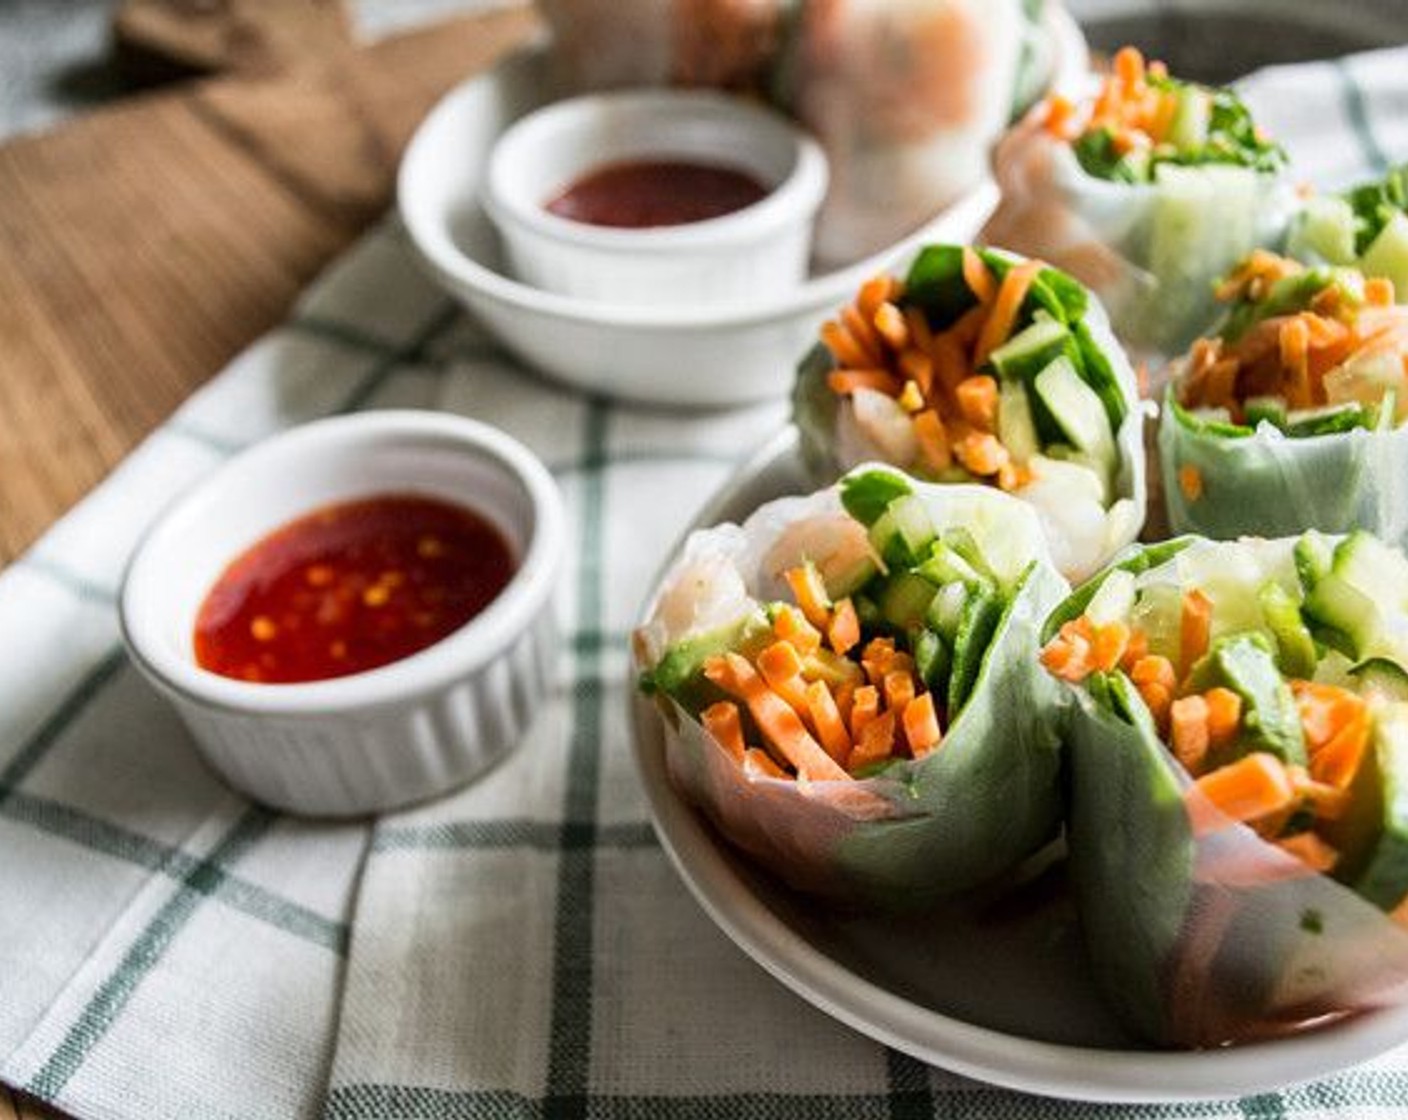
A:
(907, 98)
(1293, 414)
(847, 686)
(1365, 228)
(1147, 192)
(1238, 750)
(609, 44)
(982, 367)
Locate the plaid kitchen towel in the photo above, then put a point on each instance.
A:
(520, 949)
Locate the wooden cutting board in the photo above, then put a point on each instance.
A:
(144, 245)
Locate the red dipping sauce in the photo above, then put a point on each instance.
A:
(350, 587)
(647, 193)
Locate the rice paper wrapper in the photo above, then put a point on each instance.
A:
(907, 97)
(611, 44)
(1210, 939)
(1200, 942)
(975, 808)
(1272, 485)
(1081, 537)
(1152, 252)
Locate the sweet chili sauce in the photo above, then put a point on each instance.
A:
(640, 194)
(350, 587)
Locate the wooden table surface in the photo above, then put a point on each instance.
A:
(144, 245)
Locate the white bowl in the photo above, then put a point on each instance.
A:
(392, 735)
(696, 357)
(733, 259)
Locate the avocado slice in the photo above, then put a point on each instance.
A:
(1246, 664)
(679, 674)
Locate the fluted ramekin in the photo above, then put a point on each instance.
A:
(393, 735)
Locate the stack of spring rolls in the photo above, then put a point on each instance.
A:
(889, 693)
(905, 96)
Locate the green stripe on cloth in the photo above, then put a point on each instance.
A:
(70, 708)
(132, 847)
(413, 351)
(569, 1043)
(911, 1097)
(497, 835)
(1358, 113)
(143, 955)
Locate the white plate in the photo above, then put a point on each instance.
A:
(1000, 996)
(703, 357)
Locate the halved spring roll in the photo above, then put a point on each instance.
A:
(1365, 228)
(1292, 415)
(1238, 750)
(849, 687)
(983, 367)
(1147, 191)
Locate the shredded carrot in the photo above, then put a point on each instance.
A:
(790, 625)
(977, 275)
(776, 718)
(899, 689)
(1254, 786)
(1337, 762)
(921, 725)
(1195, 629)
(875, 291)
(1189, 724)
(1326, 802)
(843, 629)
(1060, 114)
(844, 347)
(1136, 649)
(1005, 308)
(758, 762)
(981, 452)
(889, 322)
(1108, 644)
(722, 721)
(1224, 715)
(1129, 65)
(826, 718)
(918, 366)
(875, 743)
(933, 440)
(865, 706)
(810, 594)
(865, 334)
(781, 667)
(977, 400)
(1190, 481)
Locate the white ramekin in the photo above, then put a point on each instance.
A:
(755, 252)
(393, 735)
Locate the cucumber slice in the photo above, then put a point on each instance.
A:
(905, 599)
(1388, 255)
(1189, 130)
(946, 565)
(1327, 419)
(1324, 231)
(1295, 648)
(1381, 679)
(1078, 410)
(1030, 350)
(1015, 426)
(903, 533)
(946, 611)
(1314, 554)
(1350, 597)
(932, 660)
(976, 627)
(1114, 601)
(1158, 612)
